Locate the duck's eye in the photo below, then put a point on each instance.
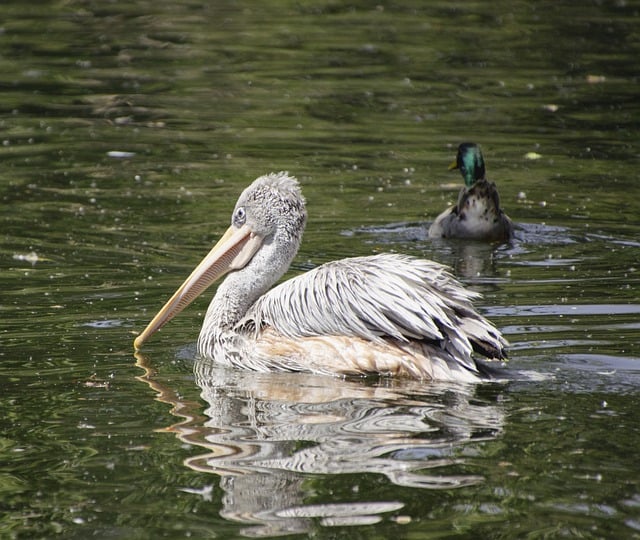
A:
(240, 216)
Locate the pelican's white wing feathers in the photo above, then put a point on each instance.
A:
(378, 298)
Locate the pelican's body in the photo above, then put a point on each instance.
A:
(386, 314)
(477, 214)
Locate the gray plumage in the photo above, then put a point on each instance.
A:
(396, 314)
(385, 314)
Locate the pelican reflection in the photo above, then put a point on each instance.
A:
(276, 439)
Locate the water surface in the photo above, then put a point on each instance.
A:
(128, 131)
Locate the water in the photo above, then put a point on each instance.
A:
(129, 129)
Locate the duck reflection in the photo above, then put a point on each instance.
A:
(277, 440)
(470, 260)
(473, 261)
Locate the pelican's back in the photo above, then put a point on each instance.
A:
(382, 298)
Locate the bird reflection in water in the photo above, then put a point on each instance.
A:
(274, 438)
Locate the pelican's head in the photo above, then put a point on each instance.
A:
(470, 162)
(266, 229)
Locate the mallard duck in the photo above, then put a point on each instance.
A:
(383, 314)
(477, 214)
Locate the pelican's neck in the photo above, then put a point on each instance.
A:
(241, 288)
(235, 295)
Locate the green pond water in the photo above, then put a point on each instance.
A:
(128, 130)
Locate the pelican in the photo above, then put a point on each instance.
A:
(384, 314)
(477, 214)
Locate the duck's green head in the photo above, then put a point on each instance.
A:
(470, 162)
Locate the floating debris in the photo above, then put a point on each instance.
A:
(29, 257)
(532, 155)
(596, 79)
(551, 107)
(106, 323)
(120, 154)
(94, 382)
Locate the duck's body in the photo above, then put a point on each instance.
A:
(477, 215)
(384, 314)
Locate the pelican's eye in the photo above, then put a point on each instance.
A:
(239, 217)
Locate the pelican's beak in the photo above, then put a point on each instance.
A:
(233, 251)
(454, 165)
